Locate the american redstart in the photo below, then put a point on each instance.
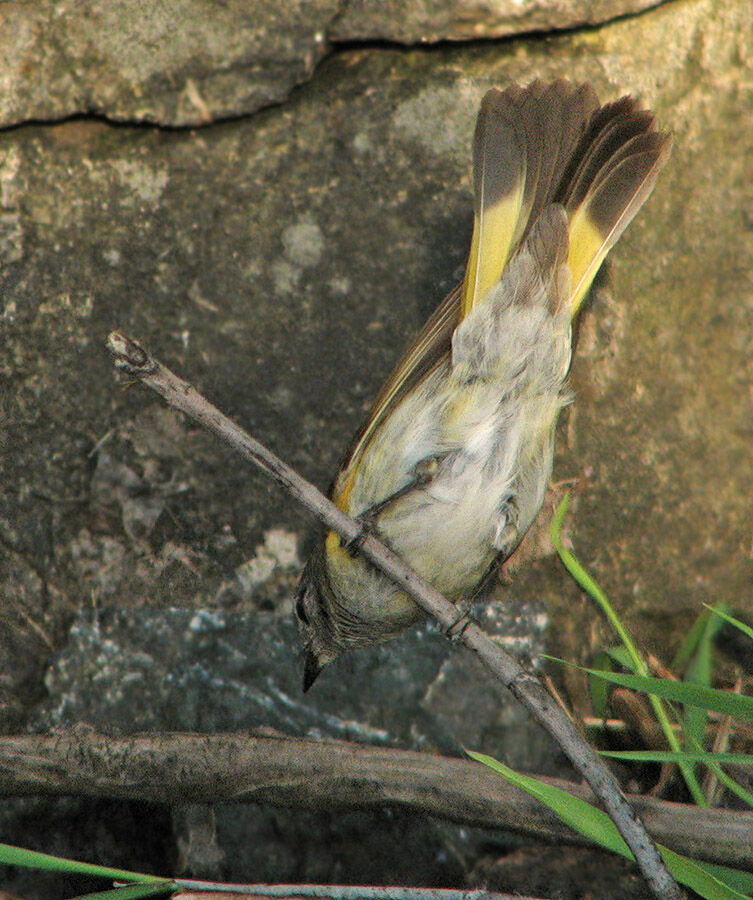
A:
(453, 462)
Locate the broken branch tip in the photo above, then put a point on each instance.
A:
(129, 354)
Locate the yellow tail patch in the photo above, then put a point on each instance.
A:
(586, 254)
(492, 242)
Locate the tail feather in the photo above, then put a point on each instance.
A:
(545, 144)
(609, 129)
(499, 167)
(611, 202)
(524, 139)
(554, 122)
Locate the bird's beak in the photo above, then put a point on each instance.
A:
(311, 669)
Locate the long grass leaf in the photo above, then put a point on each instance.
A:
(596, 825)
(32, 859)
(669, 756)
(638, 664)
(724, 702)
(691, 640)
(746, 629)
(134, 891)
(584, 579)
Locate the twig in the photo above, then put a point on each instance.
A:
(132, 358)
(208, 890)
(327, 775)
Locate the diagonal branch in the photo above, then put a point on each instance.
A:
(133, 359)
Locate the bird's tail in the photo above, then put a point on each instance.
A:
(554, 143)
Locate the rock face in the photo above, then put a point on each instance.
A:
(189, 62)
(180, 63)
(212, 671)
(281, 260)
(427, 21)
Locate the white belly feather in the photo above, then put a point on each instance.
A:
(486, 416)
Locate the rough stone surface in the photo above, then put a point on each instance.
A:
(417, 21)
(196, 61)
(135, 670)
(176, 63)
(281, 262)
(561, 872)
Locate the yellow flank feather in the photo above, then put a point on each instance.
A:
(587, 251)
(334, 546)
(343, 487)
(493, 234)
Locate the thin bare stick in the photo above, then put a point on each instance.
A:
(213, 890)
(302, 773)
(132, 358)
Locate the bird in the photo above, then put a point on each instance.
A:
(451, 466)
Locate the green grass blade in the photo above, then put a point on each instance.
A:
(709, 883)
(698, 671)
(591, 587)
(712, 760)
(31, 859)
(619, 655)
(724, 702)
(732, 786)
(134, 891)
(693, 638)
(596, 825)
(746, 629)
(598, 689)
(669, 756)
(735, 878)
(637, 663)
(578, 814)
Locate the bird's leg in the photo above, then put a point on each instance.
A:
(465, 606)
(424, 473)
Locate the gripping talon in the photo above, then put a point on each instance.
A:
(455, 631)
(352, 546)
(368, 525)
(424, 473)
